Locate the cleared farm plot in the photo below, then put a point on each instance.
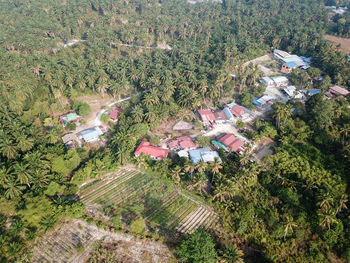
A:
(162, 205)
(73, 242)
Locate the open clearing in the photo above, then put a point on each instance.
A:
(73, 242)
(344, 42)
(262, 62)
(162, 205)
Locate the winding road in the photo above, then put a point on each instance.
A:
(98, 117)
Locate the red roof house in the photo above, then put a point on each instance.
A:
(232, 141)
(153, 151)
(185, 143)
(206, 115)
(238, 111)
(339, 90)
(114, 114)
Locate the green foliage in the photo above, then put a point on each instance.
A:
(240, 124)
(197, 248)
(138, 226)
(202, 141)
(82, 108)
(247, 100)
(71, 126)
(54, 188)
(105, 118)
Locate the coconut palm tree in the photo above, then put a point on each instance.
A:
(289, 226)
(215, 167)
(12, 188)
(189, 168)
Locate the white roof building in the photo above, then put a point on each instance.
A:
(183, 153)
(92, 134)
(293, 92)
(280, 80)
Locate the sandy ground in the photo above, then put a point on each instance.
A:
(97, 103)
(221, 128)
(62, 245)
(261, 62)
(264, 149)
(344, 42)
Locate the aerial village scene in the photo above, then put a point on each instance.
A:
(227, 126)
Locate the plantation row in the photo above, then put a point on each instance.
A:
(163, 205)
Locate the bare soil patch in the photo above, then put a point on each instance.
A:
(74, 241)
(344, 42)
(264, 64)
(97, 103)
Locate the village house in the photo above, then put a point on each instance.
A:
(114, 114)
(207, 116)
(336, 90)
(92, 134)
(182, 143)
(238, 111)
(220, 117)
(288, 67)
(280, 81)
(70, 140)
(156, 153)
(292, 92)
(229, 114)
(262, 101)
(204, 154)
(234, 143)
(70, 117)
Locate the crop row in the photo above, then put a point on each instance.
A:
(114, 193)
(105, 181)
(108, 186)
(190, 207)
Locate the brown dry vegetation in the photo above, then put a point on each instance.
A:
(344, 42)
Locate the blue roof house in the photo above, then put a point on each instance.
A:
(92, 134)
(203, 154)
(228, 114)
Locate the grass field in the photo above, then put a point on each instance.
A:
(153, 198)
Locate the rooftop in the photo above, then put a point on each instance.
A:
(91, 134)
(185, 142)
(238, 111)
(204, 155)
(206, 115)
(220, 115)
(153, 151)
(232, 141)
(339, 90)
(114, 114)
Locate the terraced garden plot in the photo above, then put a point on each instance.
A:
(162, 204)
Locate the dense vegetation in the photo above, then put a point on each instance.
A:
(290, 208)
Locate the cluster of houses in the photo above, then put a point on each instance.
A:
(231, 113)
(91, 135)
(278, 88)
(187, 148)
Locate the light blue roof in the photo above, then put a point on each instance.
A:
(204, 154)
(228, 113)
(291, 64)
(91, 134)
